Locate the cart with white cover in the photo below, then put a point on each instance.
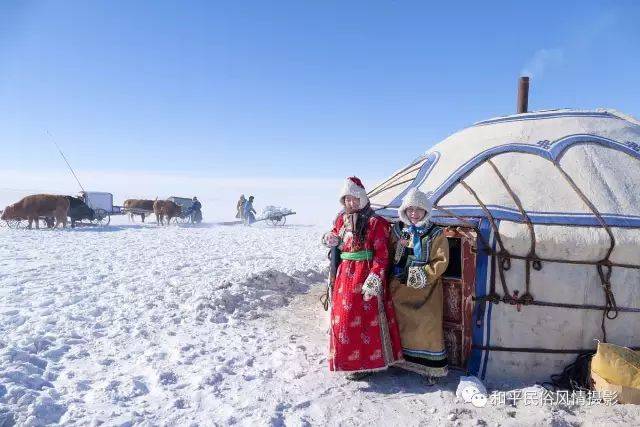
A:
(102, 205)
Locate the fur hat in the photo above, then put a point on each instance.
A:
(353, 187)
(416, 199)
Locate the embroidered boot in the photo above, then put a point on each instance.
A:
(428, 381)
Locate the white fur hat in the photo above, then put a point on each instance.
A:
(353, 187)
(416, 199)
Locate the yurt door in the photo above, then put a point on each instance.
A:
(458, 289)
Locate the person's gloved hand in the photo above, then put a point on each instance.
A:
(417, 278)
(372, 287)
(331, 240)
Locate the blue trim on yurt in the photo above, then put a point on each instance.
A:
(388, 212)
(546, 218)
(489, 308)
(471, 213)
(448, 221)
(549, 115)
(439, 218)
(551, 151)
(559, 146)
(425, 170)
(479, 315)
(487, 340)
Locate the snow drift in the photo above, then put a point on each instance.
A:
(198, 326)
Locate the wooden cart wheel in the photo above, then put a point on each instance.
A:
(277, 221)
(48, 222)
(101, 217)
(16, 223)
(183, 219)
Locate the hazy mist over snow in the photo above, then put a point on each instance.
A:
(315, 201)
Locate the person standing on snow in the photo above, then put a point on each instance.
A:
(196, 211)
(420, 256)
(364, 335)
(240, 207)
(249, 213)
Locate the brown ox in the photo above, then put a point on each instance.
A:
(166, 208)
(39, 205)
(140, 207)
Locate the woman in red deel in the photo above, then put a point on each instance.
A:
(364, 334)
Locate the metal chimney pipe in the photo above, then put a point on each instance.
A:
(523, 95)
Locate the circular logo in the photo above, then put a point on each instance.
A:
(468, 392)
(471, 395)
(479, 400)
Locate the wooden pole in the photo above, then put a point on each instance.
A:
(523, 95)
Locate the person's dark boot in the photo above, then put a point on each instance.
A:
(358, 376)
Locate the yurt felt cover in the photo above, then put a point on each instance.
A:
(555, 194)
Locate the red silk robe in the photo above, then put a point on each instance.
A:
(364, 335)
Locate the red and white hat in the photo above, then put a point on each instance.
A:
(353, 187)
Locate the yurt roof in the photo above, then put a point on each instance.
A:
(559, 167)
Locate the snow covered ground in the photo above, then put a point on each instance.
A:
(215, 325)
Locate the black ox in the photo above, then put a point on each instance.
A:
(78, 210)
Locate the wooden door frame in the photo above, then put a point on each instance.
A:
(458, 306)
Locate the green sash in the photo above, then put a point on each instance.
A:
(365, 255)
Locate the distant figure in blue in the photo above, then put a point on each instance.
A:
(196, 211)
(196, 206)
(249, 213)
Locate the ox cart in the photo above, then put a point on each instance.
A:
(187, 213)
(94, 206)
(143, 213)
(141, 207)
(79, 211)
(102, 205)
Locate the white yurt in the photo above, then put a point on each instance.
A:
(543, 215)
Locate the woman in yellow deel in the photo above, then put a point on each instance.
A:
(420, 255)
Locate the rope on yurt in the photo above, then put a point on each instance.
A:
(536, 349)
(567, 305)
(610, 300)
(486, 212)
(466, 223)
(578, 262)
(375, 193)
(591, 206)
(399, 174)
(526, 298)
(516, 200)
(605, 263)
(610, 309)
(493, 296)
(404, 172)
(489, 251)
(503, 255)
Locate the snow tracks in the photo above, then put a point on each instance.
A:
(137, 324)
(253, 297)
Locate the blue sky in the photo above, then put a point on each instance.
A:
(291, 89)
